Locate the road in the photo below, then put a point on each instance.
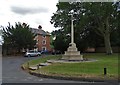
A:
(12, 73)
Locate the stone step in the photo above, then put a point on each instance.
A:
(50, 61)
(72, 57)
(34, 67)
(72, 49)
(44, 64)
(72, 52)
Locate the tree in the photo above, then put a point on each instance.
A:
(104, 16)
(100, 17)
(61, 42)
(18, 37)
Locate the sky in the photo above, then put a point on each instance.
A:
(32, 12)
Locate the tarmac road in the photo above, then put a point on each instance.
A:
(12, 72)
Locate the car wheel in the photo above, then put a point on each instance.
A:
(29, 56)
(38, 55)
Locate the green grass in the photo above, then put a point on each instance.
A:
(39, 60)
(84, 69)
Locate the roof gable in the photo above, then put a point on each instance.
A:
(39, 31)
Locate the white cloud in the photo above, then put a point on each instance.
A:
(27, 10)
(32, 12)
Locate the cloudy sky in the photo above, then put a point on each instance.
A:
(32, 12)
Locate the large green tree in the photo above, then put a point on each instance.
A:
(100, 17)
(83, 40)
(61, 42)
(18, 37)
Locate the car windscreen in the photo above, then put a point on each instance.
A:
(33, 52)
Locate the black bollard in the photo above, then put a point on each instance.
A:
(37, 67)
(105, 71)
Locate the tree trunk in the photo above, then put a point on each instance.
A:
(107, 44)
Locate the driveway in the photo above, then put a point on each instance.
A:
(12, 72)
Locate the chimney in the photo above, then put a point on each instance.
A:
(40, 27)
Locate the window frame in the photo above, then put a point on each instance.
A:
(43, 36)
(44, 47)
(44, 42)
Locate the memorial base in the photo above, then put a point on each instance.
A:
(72, 53)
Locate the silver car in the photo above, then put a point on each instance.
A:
(32, 53)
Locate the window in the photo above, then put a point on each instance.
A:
(44, 42)
(43, 48)
(37, 41)
(44, 36)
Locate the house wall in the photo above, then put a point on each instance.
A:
(91, 50)
(40, 43)
(102, 50)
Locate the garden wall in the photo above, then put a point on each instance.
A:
(102, 49)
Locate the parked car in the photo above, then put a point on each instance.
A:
(56, 52)
(32, 54)
(45, 52)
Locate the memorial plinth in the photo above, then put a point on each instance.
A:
(72, 53)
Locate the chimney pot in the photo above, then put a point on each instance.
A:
(40, 27)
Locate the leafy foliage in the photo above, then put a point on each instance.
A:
(61, 42)
(18, 37)
(93, 22)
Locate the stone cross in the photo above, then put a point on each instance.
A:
(72, 30)
(72, 52)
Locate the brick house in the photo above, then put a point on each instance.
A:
(42, 39)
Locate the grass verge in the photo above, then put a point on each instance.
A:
(94, 70)
(39, 60)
